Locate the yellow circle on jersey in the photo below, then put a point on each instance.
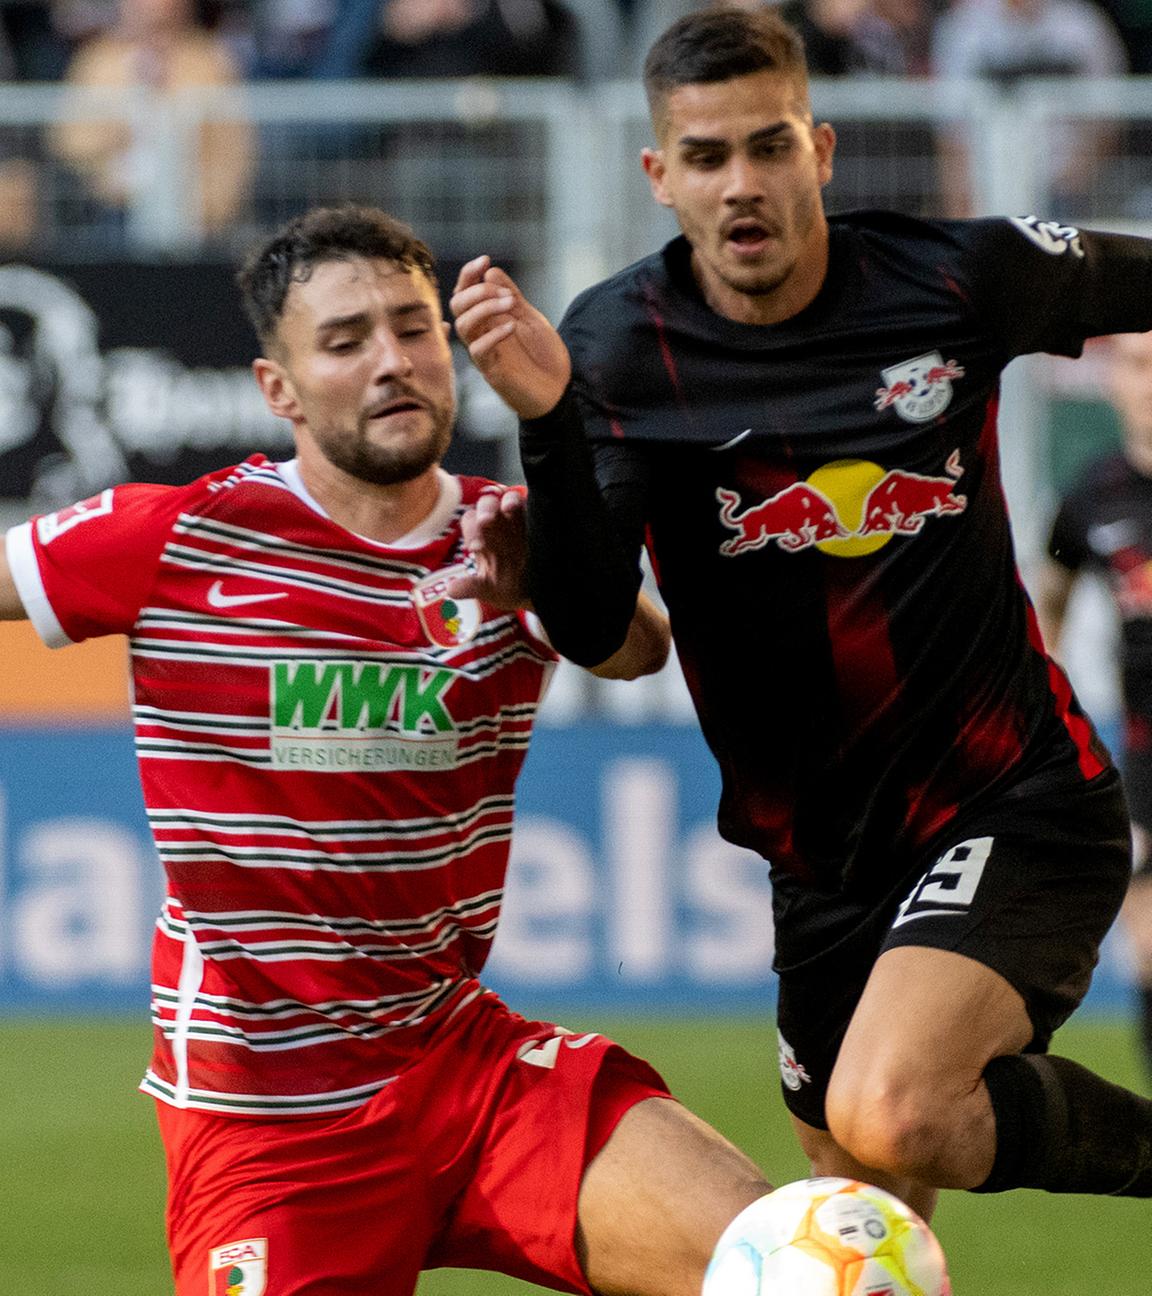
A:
(847, 482)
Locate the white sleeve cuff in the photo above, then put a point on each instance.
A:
(26, 573)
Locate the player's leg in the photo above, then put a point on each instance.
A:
(655, 1200)
(290, 1208)
(1136, 917)
(990, 952)
(589, 1177)
(906, 1096)
(827, 1157)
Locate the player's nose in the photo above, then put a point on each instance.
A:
(391, 358)
(742, 180)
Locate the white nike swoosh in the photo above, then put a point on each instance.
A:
(217, 597)
(735, 440)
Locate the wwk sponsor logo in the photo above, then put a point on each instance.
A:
(848, 508)
(340, 716)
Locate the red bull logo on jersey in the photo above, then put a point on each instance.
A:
(796, 518)
(240, 1268)
(918, 389)
(848, 508)
(447, 622)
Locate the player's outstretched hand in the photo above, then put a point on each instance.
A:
(517, 350)
(493, 532)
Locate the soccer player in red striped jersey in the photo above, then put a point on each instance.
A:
(335, 677)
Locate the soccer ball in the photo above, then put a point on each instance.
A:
(827, 1237)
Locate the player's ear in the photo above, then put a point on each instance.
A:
(825, 139)
(276, 387)
(653, 162)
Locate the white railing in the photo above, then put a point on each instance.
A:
(546, 175)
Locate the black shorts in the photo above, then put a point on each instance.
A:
(1028, 887)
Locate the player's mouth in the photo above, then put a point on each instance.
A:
(389, 409)
(748, 238)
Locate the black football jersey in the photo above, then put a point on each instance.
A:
(822, 504)
(1104, 524)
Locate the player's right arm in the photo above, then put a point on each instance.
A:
(1052, 588)
(88, 569)
(583, 573)
(11, 604)
(1068, 553)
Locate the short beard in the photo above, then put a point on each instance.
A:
(381, 465)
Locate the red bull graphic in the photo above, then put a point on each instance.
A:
(918, 389)
(796, 518)
(881, 504)
(901, 501)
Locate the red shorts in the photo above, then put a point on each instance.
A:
(470, 1158)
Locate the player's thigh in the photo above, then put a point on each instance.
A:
(556, 1101)
(1019, 901)
(928, 1023)
(656, 1198)
(290, 1208)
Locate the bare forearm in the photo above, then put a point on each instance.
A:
(645, 650)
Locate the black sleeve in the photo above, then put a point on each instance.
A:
(586, 511)
(1043, 286)
(1068, 540)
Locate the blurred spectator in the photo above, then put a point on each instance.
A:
(841, 37)
(37, 46)
(862, 37)
(159, 45)
(279, 38)
(1005, 41)
(450, 38)
(1133, 19)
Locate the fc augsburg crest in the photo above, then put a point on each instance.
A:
(446, 621)
(240, 1268)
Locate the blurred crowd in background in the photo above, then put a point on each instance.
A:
(87, 169)
(219, 41)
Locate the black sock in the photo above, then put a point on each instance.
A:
(1062, 1128)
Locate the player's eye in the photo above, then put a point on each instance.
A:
(704, 160)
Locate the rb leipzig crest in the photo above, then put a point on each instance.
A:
(240, 1268)
(447, 622)
(919, 389)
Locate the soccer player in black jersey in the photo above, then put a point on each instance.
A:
(797, 415)
(1104, 524)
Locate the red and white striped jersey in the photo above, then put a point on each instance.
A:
(327, 748)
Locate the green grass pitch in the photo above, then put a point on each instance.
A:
(81, 1173)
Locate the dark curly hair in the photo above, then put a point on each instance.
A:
(323, 234)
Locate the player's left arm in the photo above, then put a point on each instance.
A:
(1044, 286)
(494, 533)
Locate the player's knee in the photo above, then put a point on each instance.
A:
(894, 1128)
